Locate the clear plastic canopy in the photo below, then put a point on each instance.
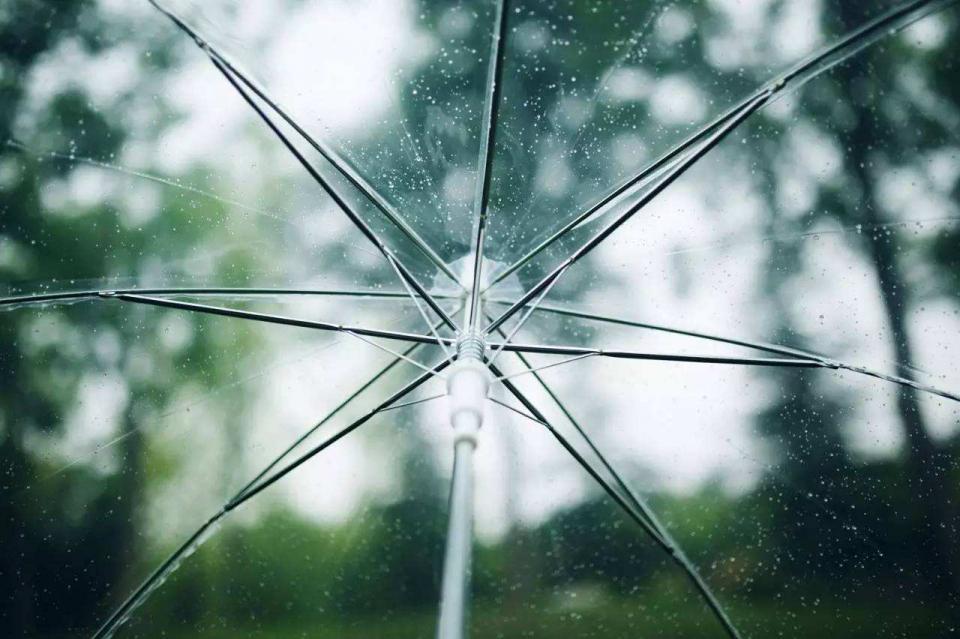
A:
(710, 249)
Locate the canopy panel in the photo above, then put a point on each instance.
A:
(804, 484)
(403, 112)
(597, 92)
(820, 225)
(720, 239)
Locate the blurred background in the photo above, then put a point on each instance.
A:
(811, 501)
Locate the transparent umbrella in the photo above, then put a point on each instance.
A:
(486, 196)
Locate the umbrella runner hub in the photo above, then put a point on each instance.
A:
(468, 384)
(471, 346)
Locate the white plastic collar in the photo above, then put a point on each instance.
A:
(467, 386)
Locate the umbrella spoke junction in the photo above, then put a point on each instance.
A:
(814, 65)
(232, 72)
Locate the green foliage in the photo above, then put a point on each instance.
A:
(820, 529)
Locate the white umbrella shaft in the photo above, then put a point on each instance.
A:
(456, 565)
(467, 388)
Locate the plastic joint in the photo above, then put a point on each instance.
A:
(470, 346)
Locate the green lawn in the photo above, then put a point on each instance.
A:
(618, 619)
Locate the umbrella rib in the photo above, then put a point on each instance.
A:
(286, 470)
(331, 156)
(131, 603)
(603, 460)
(353, 215)
(202, 291)
(522, 321)
(139, 595)
(800, 358)
(552, 349)
(648, 527)
(641, 505)
(678, 170)
(614, 494)
(812, 66)
(383, 371)
(897, 379)
(415, 402)
(529, 370)
(769, 348)
(485, 158)
(390, 351)
(515, 410)
(423, 313)
(269, 318)
(650, 171)
(143, 175)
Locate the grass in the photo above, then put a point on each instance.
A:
(613, 618)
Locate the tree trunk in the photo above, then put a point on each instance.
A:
(936, 532)
(935, 523)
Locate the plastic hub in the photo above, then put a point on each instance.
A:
(467, 386)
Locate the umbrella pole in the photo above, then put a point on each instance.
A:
(467, 387)
(456, 564)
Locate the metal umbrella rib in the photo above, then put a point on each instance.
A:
(269, 318)
(205, 291)
(813, 65)
(550, 349)
(469, 354)
(486, 157)
(640, 517)
(556, 400)
(608, 319)
(336, 160)
(400, 394)
(353, 215)
(671, 176)
(796, 358)
(255, 486)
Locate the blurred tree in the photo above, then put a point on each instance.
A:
(563, 130)
(883, 129)
(74, 536)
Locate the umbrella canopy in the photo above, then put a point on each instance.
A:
(499, 317)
